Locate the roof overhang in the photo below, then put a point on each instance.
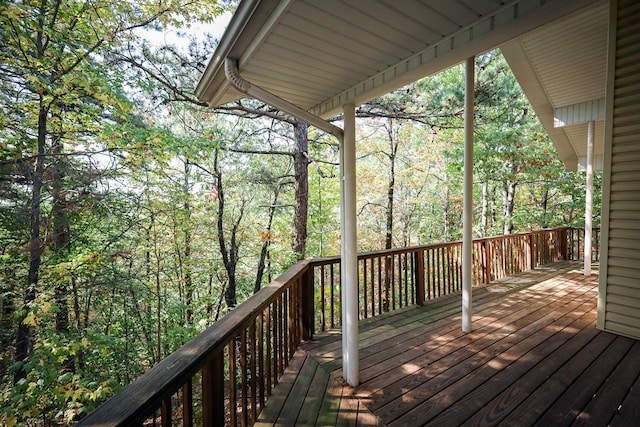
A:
(319, 56)
(561, 67)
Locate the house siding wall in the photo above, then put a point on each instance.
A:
(619, 300)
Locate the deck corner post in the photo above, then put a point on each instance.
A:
(306, 305)
(564, 239)
(213, 391)
(532, 254)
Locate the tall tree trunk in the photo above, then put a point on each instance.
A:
(388, 238)
(484, 219)
(266, 241)
(492, 206)
(544, 206)
(301, 188)
(509, 191)
(391, 182)
(447, 209)
(230, 255)
(188, 276)
(60, 239)
(23, 336)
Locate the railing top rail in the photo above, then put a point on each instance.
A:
(316, 262)
(139, 399)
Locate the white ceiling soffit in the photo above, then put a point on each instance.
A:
(561, 66)
(320, 55)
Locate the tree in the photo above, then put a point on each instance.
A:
(58, 93)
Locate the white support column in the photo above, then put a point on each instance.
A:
(588, 200)
(467, 205)
(349, 251)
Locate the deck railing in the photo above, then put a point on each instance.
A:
(225, 375)
(392, 279)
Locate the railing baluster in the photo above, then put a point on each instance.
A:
(270, 351)
(323, 318)
(262, 378)
(165, 412)
(244, 380)
(286, 320)
(332, 275)
(282, 335)
(187, 403)
(395, 266)
(233, 382)
(373, 287)
(449, 270)
(277, 340)
(408, 278)
(400, 280)
(365, 289)
(420, 279)
(253, 382)
(379, 285)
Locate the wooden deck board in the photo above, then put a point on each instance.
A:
(585, 382)
(467, 384)
(628, 413)
(533, 358)
(456, 353)
(612, 391)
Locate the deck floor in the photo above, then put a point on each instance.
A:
(534, 357)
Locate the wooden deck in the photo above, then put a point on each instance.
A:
(533, 358)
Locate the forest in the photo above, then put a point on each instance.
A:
(132, 216)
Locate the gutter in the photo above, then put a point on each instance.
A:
(238, 22)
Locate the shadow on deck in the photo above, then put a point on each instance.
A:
(534, 357)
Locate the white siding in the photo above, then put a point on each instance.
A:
(619, 304)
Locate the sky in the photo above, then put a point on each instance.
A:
(170, 36)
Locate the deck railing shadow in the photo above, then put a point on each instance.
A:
(225, 375)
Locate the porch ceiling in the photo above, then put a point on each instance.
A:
(322, 55)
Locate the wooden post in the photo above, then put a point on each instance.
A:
(307, 304)
(532, 256)
(564, 245)
(486, 257)
(418, 262)
(213, 392)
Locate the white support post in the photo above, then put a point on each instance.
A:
(467, 205)
(588, 208)
(349, 250)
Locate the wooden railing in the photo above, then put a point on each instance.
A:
(225, 375)
(392, 279)
(576, 244)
